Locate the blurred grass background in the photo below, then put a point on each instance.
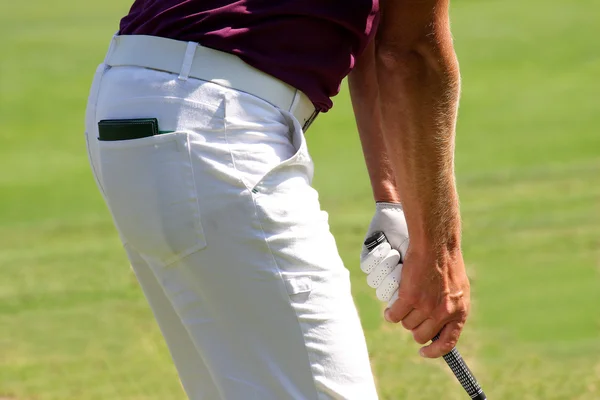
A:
(74, 323)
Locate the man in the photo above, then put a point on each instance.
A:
(199, 152)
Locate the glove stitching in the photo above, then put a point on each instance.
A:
(390, 206)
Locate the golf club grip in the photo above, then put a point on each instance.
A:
(463, 373)
(453, 359)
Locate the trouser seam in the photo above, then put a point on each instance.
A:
(282, 288)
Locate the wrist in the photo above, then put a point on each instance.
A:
(386, 193)
(433, 227)
(445, 242)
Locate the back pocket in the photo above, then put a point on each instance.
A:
(151, 193)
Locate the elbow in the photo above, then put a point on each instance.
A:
(400, 61)
(422, 58)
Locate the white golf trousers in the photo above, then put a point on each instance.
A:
(228, 240)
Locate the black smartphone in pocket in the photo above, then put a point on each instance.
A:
(127, 129)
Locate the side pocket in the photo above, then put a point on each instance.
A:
(262, 140)
(150, 190)
(299, 165)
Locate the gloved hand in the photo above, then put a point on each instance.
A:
(383, 264)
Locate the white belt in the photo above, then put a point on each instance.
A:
(192, 60)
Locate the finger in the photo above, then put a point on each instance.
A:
(369, 260)
(383, 269)
(399, 310)
(392, 299)
(390, 284)
(447, 341)
(413, 319)
(426, 331)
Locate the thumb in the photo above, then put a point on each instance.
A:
(389, 218)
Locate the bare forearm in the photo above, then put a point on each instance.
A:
(364, 92)
(418, 96)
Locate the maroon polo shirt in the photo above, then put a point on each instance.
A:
(309, 44)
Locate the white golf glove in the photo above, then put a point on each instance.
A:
(382, 264)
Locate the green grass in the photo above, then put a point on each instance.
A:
(74, 324)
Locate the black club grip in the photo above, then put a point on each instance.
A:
(463, 373)
(453, 359)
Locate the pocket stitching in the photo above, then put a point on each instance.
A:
(198, 228)
(239, 175)
(198, 217)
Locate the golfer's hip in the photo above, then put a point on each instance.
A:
(210, 142)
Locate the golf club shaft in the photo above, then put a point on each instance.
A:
(453, 359)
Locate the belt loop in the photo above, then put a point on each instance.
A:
(310, 120)
(295, 101)
(111, 48)
(188, 60)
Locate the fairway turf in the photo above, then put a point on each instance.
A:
(74, 324)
